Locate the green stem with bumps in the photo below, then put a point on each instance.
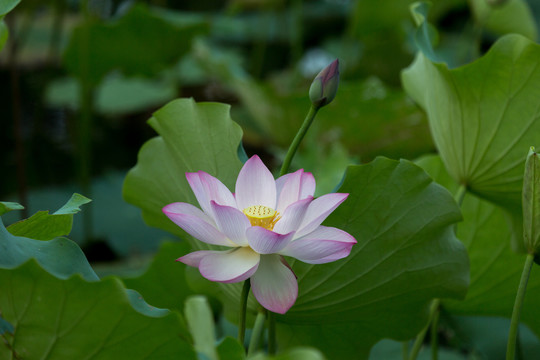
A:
(298, 139)
(516, 312)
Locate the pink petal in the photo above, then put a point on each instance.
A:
(324, 244)
(207, 188)
(194, 258)
(318, 211)
(293, 187)
(195, 182)
(290, 192)
(230, 266)
(255, 185)
(293, 216)
(196, 223)
(216, 190)
(232, 222)
(330, 258)
(308, 185)
(274, 284)
(265, 241)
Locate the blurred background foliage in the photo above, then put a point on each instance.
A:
(80, 78)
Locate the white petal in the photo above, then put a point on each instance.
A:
(230, 266)
(232, 222)
(324, 244)
(207, 188)
(194, 258)
(289, 191)
(318, 211)
(196, 223)
(216, 190)
(195, 182)
(307, 186)
(293, 216)
(330, 258)
(274, 284)
(255, 185)
(265, 241)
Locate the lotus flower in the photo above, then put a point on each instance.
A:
(263, 221)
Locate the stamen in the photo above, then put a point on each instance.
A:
(262, 216)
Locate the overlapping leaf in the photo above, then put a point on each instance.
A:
(510, 17)
(407, 252)
(60, 257)
(164, 283)
(483, 116)
(495, 268)
(406, 255)
(7, 206)
(76, 319)
(45, 226)
(193, 137)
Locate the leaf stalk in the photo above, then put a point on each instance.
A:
(516, 312)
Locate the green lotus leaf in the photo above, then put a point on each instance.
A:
(45, 226)
(194, 136)
(163, 283)
(7, 206)
(60, 257)
(75, 319)
(407, 254)
(514, 16)
(483, 115)
(495, 268)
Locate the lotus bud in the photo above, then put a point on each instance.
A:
(531, 202)
(324, 87)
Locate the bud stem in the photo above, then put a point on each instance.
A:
(516, 312)
(297, 139)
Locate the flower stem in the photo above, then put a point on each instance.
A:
(420, 337)
(297, 139)
(243, 308)
(516, 312)
(257, 332)
(405, 350)
(271, 333)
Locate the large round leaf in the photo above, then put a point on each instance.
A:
(76, 319)
(483, 116)
(495, 268)
(407, 254)
(194, 137)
